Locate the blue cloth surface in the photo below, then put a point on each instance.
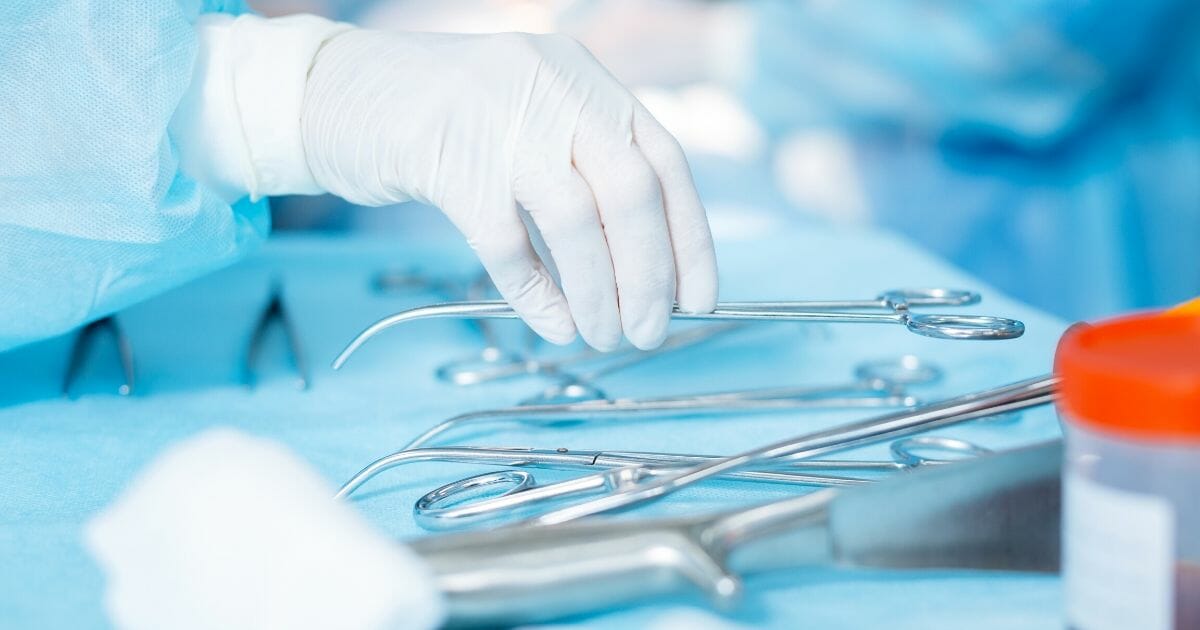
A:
(89, 179)
(62, 461)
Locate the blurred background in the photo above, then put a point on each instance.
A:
(1051, 147)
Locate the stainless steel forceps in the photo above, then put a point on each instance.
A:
(876, 384)
(999, 512)
(493, 354)
(468, 507)
(895, 306)
(1017, 396)
(627, 487)
(567, 459)
(493, 362)
(474, 372)
(470, 502)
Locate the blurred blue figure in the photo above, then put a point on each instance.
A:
(1049, 146)
(95, 213)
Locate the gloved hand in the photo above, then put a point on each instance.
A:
(476, 124)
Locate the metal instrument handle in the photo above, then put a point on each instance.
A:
(907, 451)
(896, 303)
(964, 326)
(1020, 395)
(521, 499)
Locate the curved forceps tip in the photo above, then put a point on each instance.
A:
(457, 310)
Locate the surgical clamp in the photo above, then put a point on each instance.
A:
(468, 373)
(566, 459)
(999, 512)
(275, 314)
(429, 513)
(877, 384)
(85, 341)
(492, 353)
(634, 491)
(895, 304)
(637, 484)
(495, 363)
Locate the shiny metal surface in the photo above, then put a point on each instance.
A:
(493, 355)
(637, 482)
(476, 501)
(494, 362)
(996, 512)
(893, 307)
(785, 471)
(877, 384)
(473, 373)
(1022, 395)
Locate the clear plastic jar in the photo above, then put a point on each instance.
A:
(1130, 404)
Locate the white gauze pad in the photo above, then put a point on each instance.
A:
(230, 531)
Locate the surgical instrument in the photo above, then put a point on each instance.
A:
(480, 287)
(466, 511)
(275, 314)
(876, 384)
(83, 346)
(466, 373)
(906, 453)
(895, 304)
(998, 512)
(632, 490)
(494, 363)
(637, 484)
(567, 459)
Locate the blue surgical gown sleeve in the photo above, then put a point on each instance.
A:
(95, 213)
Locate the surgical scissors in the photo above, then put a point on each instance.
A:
(430, 513)
(896, 305)
(85, 342)
(877, 384)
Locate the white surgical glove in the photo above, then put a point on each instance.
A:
(476, 124)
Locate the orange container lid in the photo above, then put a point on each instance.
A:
(1187, 308)
(1137, 376)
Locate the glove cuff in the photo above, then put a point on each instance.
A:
(238, 127)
